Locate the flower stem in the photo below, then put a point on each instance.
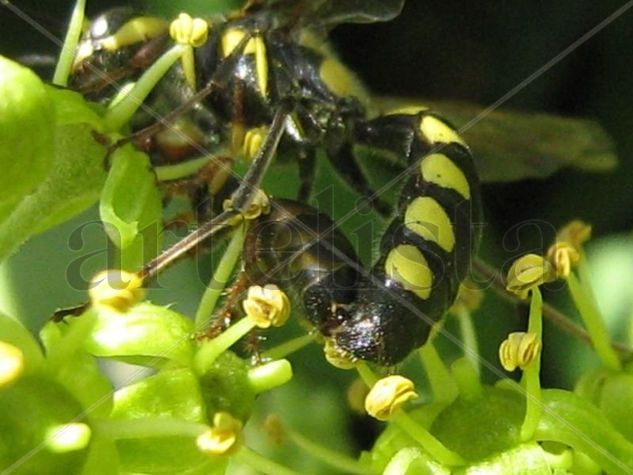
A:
(67, 54)
(261, 464)
(284, 349)
(583, 297)
(331, 457)
(220, 277)
(122, 112)
(211, 349)
(433, 446)
(180, 170)
(270, 375)
(442, 383)
(366, 374)
(469, 337)
(530, 379)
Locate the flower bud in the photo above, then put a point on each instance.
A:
(268, 305)
(387, 395)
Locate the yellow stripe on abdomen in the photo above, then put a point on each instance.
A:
(437, 168)
(436, 131)
(426, 217)
(406, 265)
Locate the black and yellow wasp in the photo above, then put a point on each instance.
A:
(266, 84)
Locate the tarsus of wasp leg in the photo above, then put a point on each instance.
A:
(242, 199)
(558, 318)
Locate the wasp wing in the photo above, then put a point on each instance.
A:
(511, 145)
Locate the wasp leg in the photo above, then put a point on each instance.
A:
(307, 172)
(241, 199)
(346, 164)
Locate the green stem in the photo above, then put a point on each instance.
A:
(211, 349)
(431, 445)
(181, 170)
(148, 427)
(466, 378)
(583, 297)
(122, 112)
(531, 378)
(261, 464)
(440, 379)
(366, 374)
(67, 54)
(469, 337)
(220, 277)
(270, 375)
(331, 457)
(287, 348)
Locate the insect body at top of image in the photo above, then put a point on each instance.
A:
(265, 84)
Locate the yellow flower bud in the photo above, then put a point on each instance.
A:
(356, 394)
(387, 395)
(562, 256)
(11, 363)
(225, 437)
(576, 233)
(189, 31)
(268, 305)
(116, 290)
(260, 205)
(528, 272)
(519, 350)
(336, 356)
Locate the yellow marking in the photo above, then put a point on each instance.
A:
(439, 169)
(437, 131)
(261, 65)
(134, 31)
(338, 79)
(406, 265)
(256, 46)
(408, 110)
(426, 217)
(253, 140)
(230, 39)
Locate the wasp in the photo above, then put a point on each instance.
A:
(265, 84)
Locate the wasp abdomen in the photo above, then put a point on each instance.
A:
(298, 247)
(426, 251)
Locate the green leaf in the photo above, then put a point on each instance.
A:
(170, 395)
(27, 124)
(131, 208)
(573, 421)
(151, 334)
(67, 358)
(495, 417)
(613, 393)
(71, 187)
(12, 331)
(30, 408)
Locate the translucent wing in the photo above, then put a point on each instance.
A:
(322, 15)
(333, 12)
(512, 145)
